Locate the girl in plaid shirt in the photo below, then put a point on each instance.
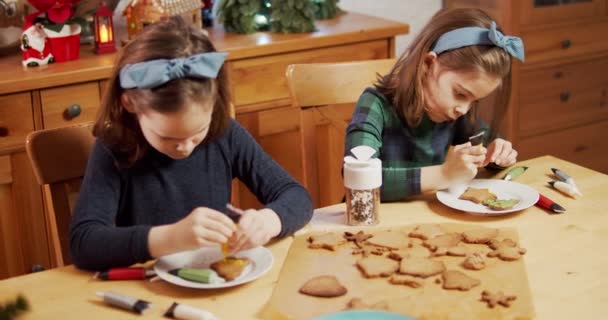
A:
(429, 101)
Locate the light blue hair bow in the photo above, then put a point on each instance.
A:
(470, 36)
(153, 73)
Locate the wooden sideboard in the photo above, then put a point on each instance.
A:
(559, 104)
(38, 98)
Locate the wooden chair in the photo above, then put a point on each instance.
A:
(326, 93)
(59, 158)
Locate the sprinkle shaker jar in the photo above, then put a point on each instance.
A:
(362, 181)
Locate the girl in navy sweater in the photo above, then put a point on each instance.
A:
(159, 175)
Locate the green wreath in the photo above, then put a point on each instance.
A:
(287, 16)
(326, 9)
(11, 310)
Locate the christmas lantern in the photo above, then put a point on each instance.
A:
(104, 30)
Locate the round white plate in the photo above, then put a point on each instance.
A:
(501, 188)
(261, 261)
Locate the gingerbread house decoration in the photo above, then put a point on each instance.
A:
(141, 13)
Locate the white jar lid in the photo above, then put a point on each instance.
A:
(362, 172)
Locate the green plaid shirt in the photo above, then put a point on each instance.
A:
(403, 150)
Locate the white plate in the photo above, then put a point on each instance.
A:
(261, 261)
(501, 188)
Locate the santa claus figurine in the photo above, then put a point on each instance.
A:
(35, 47)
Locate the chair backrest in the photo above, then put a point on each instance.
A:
(327, 92)
(59, 158)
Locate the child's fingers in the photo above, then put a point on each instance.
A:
(476, 151)
(222, 219)
(216, 226)
(472, 159)
(240, 243)
(503, 157)
(205, 236)
(247, 218)
(459, 147)
(510, 159)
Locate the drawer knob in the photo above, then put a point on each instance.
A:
(72, 112)
(37, 268)
(558, 75)
(564, 96)
(3, 132)
(580, 148)
(566, 43)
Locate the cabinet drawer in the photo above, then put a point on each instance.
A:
(586, 146)
(535, 12)
(263, 79)
(565, 42)
(16, 119)
(69, 105)
(565, 95)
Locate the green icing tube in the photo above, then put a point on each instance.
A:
(514, 173)
(198, 275)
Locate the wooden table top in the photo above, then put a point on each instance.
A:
(347, 28)
(565, 262)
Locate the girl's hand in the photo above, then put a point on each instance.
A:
(203, 227)
(462, 161)
(501, 152)
(255, 228)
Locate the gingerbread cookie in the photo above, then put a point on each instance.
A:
(426, 231)
(420, 267)
(359, 304)
(329, 241)
(479, 235)
(366, 250)
(456, 280)
(477, 195)
(506, 250)
(406, 281)
(458, 251)
(474, 261)
(393, 240)
(230, 268)
(440, 244)
(357, 238)
(503, 204)
(507, 253)
(323, 286)
(415, 251)
(494, 299)
(495, 244)
(375, 266)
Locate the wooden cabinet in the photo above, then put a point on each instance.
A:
(23, 233)
(559, 103)
(23, 242)
(278, 132)
(328, 134)
(16, 119)
(69, 93)
(585, 145)
(262, 79)
(69, 105)
(537, 12)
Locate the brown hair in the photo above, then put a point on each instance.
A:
(403, 84)
(119, 129)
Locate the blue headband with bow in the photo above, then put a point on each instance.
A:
(153, 73)
(470, 36)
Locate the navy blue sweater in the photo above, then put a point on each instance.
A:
(117, 207)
